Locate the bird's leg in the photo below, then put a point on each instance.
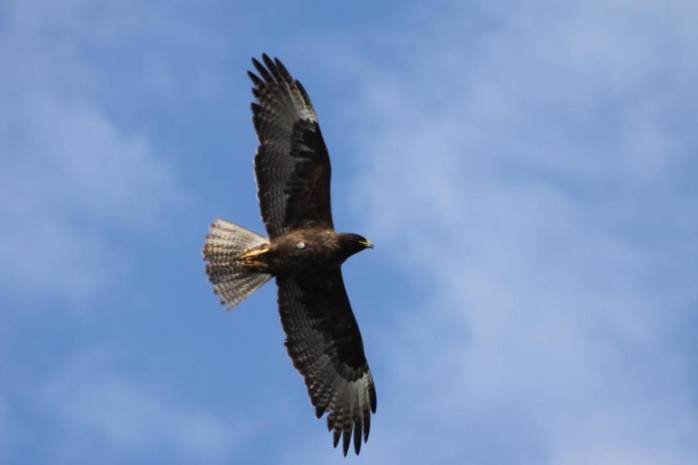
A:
(251, 258)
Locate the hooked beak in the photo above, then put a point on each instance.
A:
(368, 244)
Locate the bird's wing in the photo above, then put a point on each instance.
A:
(324, 342)
(292, 164)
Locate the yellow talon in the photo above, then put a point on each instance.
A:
(249, 257)
(254, 252)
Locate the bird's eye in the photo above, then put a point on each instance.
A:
(300, 245)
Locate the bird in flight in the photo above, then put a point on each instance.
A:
(303, 254)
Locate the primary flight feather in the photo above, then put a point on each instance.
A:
(303, 253)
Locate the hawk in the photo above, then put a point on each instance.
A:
(303, 254)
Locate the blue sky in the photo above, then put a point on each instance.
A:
(525, 169)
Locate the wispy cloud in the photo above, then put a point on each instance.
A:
(76, 171)
(527, 164)
(68, 174)
(126, 52)
(126, 416)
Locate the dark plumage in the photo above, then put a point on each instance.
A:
(304, 253)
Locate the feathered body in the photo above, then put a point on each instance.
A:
(307, 252)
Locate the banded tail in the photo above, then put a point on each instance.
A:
(225, 244)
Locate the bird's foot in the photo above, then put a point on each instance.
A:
(251, 258)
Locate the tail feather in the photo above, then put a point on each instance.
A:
(224, 244)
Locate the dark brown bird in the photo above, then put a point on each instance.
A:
(304, 253)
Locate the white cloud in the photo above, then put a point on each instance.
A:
(517, 165)
(75, 173)
(68, 174)
(110, 52)
(104, 411)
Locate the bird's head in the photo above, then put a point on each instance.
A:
(353, 243)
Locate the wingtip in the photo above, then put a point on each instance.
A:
(283, 70)
(254, 78)
(335, 439)
(357, 436)
(346, 440)
(367, 425)
(373, 397)
(268, 61)
(262, 70)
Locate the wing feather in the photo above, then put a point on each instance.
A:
(324, 343)
(292, 164)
